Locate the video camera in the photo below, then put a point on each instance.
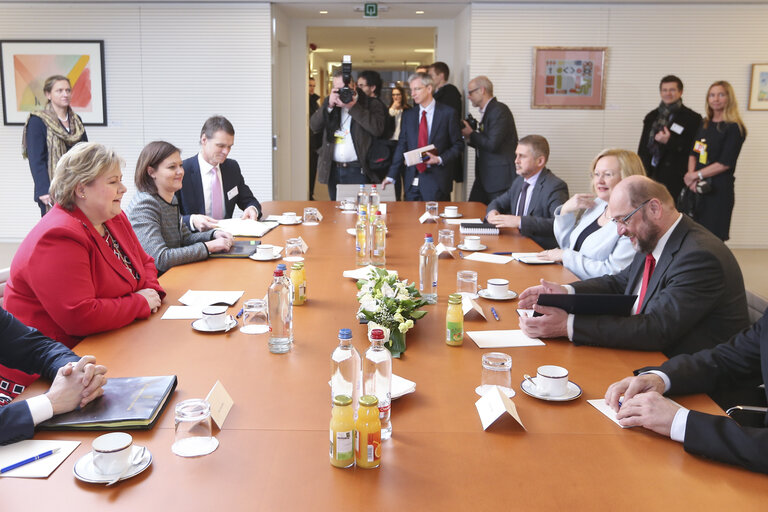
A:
(346, 94)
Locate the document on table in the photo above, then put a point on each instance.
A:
(246, 227)
(202, 298)
(488, 258)
(503, 339)
(183, 313)
(364, 272)
(458, 222)
(42, 468)
(401, 386)
(601, 405)
(530, 258)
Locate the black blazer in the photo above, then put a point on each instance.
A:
(549, 193)
(191, 194)
(495, 142)
(695, 298)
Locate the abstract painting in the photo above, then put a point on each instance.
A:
(568, 78)
(758, 91)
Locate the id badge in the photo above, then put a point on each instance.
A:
(700, 147)
(338, 136)
(415, 182)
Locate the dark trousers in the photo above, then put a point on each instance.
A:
(344, 176)
(478, 193)
(43, 207)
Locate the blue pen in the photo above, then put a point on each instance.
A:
(495, 314)
(31, 459)
(239, 313)
(503, 253)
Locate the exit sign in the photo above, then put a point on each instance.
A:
(371, 11)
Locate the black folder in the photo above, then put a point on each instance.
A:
(239, 249)
(589, 303)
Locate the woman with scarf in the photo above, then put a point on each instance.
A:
(49, 134)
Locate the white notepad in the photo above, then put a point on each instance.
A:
(503, 339)
(16, 452)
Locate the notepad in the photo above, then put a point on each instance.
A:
(478, 228)
(531, 258)
(503, 339)
(202, 298)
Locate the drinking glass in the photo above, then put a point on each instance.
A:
(293, 250)
(255, 320)
(311, 217)
(432, 210)
(445, 237)
(466, 282)
(193, 429)
(497, 371)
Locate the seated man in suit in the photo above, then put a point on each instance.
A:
(531, 201)
(212, 183)
(742, 359)
(76, 381)
(432, 123)
(689, 285)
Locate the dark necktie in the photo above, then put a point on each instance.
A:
(650, 264)
(521, 203)
(423, 138)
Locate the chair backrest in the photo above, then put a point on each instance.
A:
(757, 306)
(344, 191)
(4, 274)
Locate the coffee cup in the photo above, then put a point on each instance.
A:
(498, 288)
(550, 380)
(265, 251)
(289, 217)
(215, 316)
(112, 452)
(472, 243)
(451, 211)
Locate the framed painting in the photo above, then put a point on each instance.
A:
(24, 66)
(568, 78)
(758, 90)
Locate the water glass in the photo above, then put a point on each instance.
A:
(193, 429)
(311, 216)
(255, 320)
(293, 251)
(432, 210)
(445, 237)
(497, 371)
(466, 282)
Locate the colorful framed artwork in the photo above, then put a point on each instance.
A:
(758, 90)
(24, 66)
(569, 78)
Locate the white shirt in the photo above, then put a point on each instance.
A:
(344, 151)
(207, 178)
(40, 407)
(679, 422)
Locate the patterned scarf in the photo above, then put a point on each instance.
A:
(58, 140)
(665, 114)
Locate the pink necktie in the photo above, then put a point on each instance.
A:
(217, 196)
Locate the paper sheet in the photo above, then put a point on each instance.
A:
(530, 258)
(245, 227)
(183, 313)
(604, 408)
(13, 453)
(503, 339)
(457, 222)
(401, 386)
(362, 272)
(202, 298)
(488, 258)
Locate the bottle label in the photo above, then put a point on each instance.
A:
(373, 447)
(344, 448)
(454, 332)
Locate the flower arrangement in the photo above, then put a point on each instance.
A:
(391, 304)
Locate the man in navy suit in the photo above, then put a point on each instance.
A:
(213, 183)
(431, 123)
(535, 194)
(76, 381)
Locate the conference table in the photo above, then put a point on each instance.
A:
(273, 452)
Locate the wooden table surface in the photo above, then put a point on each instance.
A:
(273, 452)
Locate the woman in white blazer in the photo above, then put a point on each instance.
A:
(589, 243)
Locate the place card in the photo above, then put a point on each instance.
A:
(425, 217)
(442, 250)
(493, 405)
(304, 246)
(470, 305)
(220, 403)
(503, 339)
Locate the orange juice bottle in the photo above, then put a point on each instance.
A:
(368, 433)
(342, 432)
(454, 321)
(298, 288)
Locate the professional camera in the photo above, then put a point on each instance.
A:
(472, 122)
(346, 94)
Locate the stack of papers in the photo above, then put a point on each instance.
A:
(503, 339)
(246, 227)
(530, 258)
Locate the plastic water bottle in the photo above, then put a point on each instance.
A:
(362, 198)
(362, 239)
(428, 270)
(377, 378)
(379, 241)
(280, 314)
(286, 279)
(374, 200)
(345, 369)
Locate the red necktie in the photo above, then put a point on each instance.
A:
(650, 264)
(423, 138)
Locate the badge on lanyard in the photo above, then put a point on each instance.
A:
(700, 147)
(339, 136)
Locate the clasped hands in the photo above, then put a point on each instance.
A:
(553, 322)
(77, 384)
(642, 404)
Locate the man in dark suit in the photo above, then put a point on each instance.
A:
(531, 201)
(494, 141)
(76, 381)
(743, 359)
(315, 139)
(667, 137)
(689, 285)
(448, 94)
(213, 183)
(431, 123)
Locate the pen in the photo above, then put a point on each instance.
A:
(239, 313)
(495, 314)
(31, 459)
(503, 253)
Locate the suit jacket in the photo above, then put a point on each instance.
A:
(436, 182)
(673, 160)
(449, 95)
(25, 349)
(67, 283)
(695, 298)
(549, 193)
(495, 142)
(191, 198)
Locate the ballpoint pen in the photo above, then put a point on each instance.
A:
(239, 313)
(503, 253)
(495, 314)
(27, 461)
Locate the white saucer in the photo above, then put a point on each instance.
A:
(485, 295)
(573, 392)
(451, 216)
(284, 223)
(202, 326)
(465, 248)
(85, 470)
(255, 257)
(481, 391)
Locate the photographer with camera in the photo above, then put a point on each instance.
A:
(494, 140)
(349, 122)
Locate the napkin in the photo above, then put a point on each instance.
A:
(401, 386)
(362, 272)
(503, 339)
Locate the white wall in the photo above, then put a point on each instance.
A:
(700, 44)
(168, 67)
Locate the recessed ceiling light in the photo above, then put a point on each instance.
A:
(323, 12)
(424, 50)
(419, 12)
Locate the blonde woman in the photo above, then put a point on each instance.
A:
(712, 164)
(590, 245)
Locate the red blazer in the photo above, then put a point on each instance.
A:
(67, 283)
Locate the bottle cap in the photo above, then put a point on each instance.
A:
(345, 334)
(342, 400)
(296, 266)
(278, 273)
(454, 298)
(281, 266)
(377, 334)
(378, 212)
(368, 400)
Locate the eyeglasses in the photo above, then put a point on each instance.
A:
(473, 91)
(605, 175)
(625, 219)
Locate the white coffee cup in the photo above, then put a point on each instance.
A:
(265, 251)
(498, 288)
(451, 211)
(550, 380)
(472, 242)
(215, 316)
(112, 452)
(289, 217)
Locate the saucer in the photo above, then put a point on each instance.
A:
(202, 326)
(573, 392)
(451, 216)
(85, 470)
(285, 223)
(481, 247)
(485, 295)
(255, 257)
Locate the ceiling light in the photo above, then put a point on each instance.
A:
(324, 50)
(323, 12)
(424, 50)
(419, 12)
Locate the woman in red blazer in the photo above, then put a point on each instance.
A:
(81, 270)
